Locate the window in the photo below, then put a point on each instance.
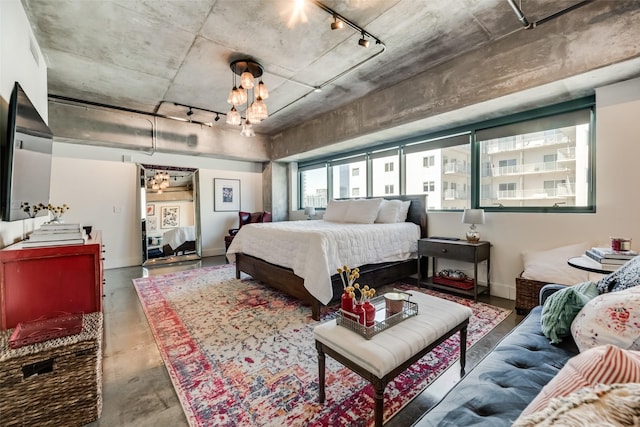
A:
(448, 174)
(533, 161)
(385, 177)
(428, 161)
(542, 162)
(344, 180)
(313, 187)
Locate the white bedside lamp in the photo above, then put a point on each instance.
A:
(473, 217)
(310, 211)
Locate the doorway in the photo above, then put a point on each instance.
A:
(169, 214)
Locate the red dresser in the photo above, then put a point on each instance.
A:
(48, 281)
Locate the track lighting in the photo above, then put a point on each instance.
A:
(363, 42)
(336, 24)
(217, 117)
(190, 112)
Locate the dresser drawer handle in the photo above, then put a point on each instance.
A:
(444, 251)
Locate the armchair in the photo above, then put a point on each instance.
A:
(245, 218)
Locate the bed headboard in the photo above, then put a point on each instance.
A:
(417, 211)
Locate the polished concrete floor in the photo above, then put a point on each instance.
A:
(137, 390)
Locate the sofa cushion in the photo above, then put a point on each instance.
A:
(600, 405)
(605, 364)
(496, 391)
(611, 318)
(562, 307)
(627, 276)
(551, 266)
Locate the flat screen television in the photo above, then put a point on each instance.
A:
(25, 157)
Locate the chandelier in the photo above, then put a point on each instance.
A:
(160, 181)
(248, 92)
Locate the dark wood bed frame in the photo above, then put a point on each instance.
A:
(374, 275)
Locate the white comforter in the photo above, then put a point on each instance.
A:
(177, 236)
(315, 249)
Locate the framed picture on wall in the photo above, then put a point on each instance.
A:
(152, 224)
(226, 195)
(151, 210)
(170, 216)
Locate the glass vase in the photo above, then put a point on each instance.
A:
(369, 313)
(346, 302)
(358, 310)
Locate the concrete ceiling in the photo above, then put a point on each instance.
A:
(148, 55)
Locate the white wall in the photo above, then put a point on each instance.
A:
(617, 201)
(17, 63)
(102, 190)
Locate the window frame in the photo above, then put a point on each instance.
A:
(431, 140)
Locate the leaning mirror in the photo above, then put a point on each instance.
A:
(169, 214)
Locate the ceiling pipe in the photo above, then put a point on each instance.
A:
(527, 25)
(523, 19)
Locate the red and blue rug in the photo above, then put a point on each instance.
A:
(241, 354)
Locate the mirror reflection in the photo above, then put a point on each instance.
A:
(169, 220)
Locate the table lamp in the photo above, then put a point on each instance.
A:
(310, 211)
(473, 217)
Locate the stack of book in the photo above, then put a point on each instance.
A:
(610, 258)
(55, 235)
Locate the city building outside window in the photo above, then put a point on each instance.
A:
(313, 187)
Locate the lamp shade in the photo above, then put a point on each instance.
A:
(309, 211)
(473, 216)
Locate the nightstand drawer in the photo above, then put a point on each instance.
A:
(446, 250)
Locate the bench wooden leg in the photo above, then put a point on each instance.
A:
(321, 373)
(463, 349)
(378, 387)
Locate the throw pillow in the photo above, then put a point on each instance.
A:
(612, 318)
(551, 266)
(614, 405)
(627, 276)
(389, 211)
(606, 364)
(336, 210)
(404, 211)
(363, 211)
(561, 308)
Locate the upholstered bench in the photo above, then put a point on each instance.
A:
(389, 353)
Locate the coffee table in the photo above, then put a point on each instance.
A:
(387, 354)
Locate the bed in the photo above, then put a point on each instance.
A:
(285, 276)
(179, 240)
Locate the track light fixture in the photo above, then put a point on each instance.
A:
(363, 42)
(190, 112)
(217, 117)
(337, 24)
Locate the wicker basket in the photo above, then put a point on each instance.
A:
(527, 294)
(53, 383)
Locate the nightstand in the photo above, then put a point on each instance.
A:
(460, 250)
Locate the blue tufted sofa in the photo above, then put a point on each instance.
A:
(501, 385)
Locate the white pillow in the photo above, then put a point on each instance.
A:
(389, 211)
(404, 211)
(611, 318)
(363, 211)
(336, 210)
(551, 265)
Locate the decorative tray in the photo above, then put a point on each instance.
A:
(384, 320)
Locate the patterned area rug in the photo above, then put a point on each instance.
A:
(241, 354)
